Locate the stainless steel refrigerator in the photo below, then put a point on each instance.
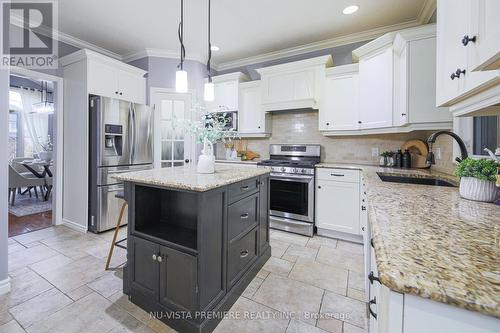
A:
(121, 140)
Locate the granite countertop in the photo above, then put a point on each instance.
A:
(432, 243)
(186, 177)
(252, 162)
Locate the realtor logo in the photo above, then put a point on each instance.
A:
(28, 34)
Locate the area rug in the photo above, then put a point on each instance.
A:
(24, 205)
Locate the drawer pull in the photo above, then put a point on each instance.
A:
(372, 301)
(337, 175)
(371, 243)
(244, 253)
(468, 39)
(244, 216)
(160, 259)
(363, 207)
(244, 188)
(372, 278)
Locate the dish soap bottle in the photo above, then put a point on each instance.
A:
(406, 159)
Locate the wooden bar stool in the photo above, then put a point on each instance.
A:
(119, 195)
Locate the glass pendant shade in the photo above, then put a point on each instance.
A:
(209, 92)
(181, 81)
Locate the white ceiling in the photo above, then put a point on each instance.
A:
(241, 28)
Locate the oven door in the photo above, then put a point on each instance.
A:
(292, 196)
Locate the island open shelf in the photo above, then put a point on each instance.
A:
(167, 215)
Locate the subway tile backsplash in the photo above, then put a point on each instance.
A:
(302, 127)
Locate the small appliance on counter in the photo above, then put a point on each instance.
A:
(292, 186)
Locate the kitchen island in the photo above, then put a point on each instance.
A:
(195, 241)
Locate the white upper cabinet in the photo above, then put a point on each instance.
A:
(415, 79)
(294, 85)
(340, 106)
(252, 119)
(483, 39)
(226, 90)
(466, 91)
(111, 78)
(375, 88)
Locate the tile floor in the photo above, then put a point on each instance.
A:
(59, 285)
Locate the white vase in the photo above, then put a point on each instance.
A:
(478, 190)
(206, 161)
(45, 156)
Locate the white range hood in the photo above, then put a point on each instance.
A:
(294, 85)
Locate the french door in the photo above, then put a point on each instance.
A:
(173, 145)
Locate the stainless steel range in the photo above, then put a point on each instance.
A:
(292, 186)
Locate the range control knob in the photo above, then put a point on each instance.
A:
(283, 169)
(303, 170)
(294, 170)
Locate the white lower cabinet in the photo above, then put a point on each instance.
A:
(338, 208)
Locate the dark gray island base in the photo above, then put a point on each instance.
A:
(192, 253)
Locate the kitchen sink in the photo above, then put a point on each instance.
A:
(415, 180)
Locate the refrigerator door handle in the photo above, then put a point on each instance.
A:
(130, 122)
(134, 125)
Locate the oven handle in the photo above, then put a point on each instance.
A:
(302, 179)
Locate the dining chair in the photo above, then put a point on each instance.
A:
(17, 180)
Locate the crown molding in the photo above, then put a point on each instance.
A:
(79, 43)
(426, 11)
(161, 53)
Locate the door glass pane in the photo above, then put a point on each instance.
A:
(166, 109)
(486, 134)
(179, 109)
(166, 129)
(178, 150)
(289, 196)
(166, 150)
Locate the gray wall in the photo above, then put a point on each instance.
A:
(342, 55)
(4, 130)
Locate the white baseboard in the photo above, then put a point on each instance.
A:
(74, 226)
(5, 286)
(340, 235)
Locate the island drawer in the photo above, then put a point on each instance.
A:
(242, 189)
(242, 215)
(242, 252)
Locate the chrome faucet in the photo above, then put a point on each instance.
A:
(432, 139)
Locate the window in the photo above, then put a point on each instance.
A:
(477, 133)
(486, 134)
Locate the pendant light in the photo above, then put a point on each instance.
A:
(181, 80)
(44, 106)
(209, 91)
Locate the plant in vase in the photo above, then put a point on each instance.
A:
(386, 158)
(47, 148)
(477, 179)
(207, 130)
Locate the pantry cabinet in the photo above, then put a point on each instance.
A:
(226, 92)
(340, 107)
(253, 121)
(459, 56)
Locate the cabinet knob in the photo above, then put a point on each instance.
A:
(160, 259)
(154, 257)
(363, 207)
(457, 73)
(327, 124)
(363, 228)
(121, 94)
(359, 121)
(186, 160)
(468, 39)
(116, 92)
(319, 186)
(372, 278)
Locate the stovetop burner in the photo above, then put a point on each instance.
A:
(289, 163)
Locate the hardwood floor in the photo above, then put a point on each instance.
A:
(28, 223)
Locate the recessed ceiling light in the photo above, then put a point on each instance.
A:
(214, 48)
(350, 9)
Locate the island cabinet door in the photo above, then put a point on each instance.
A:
(264, 214)
(145, 270)
(178, 280)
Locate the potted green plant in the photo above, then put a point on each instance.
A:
(477, 179)
(386, 158)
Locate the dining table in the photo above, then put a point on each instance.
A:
(34, 166)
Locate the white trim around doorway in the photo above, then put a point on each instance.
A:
(59, 116)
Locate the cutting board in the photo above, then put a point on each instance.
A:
(418, 150)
